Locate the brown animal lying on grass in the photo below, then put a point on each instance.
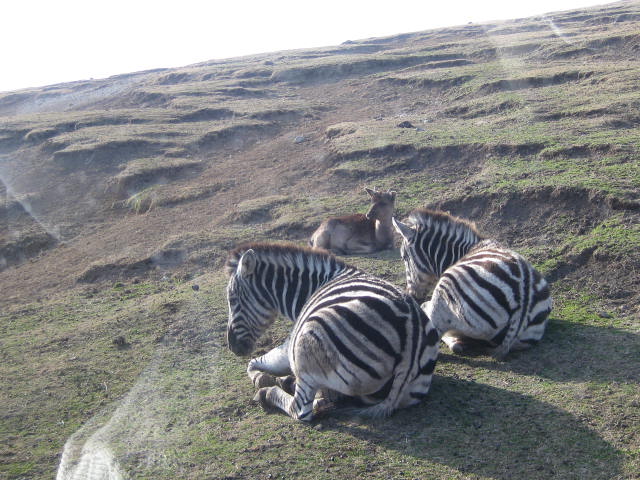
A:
(358, 233)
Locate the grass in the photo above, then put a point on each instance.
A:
(175, 403)
(143, 201)
(331, 68)
(146, 170)
(65, 347)
(437, 438)
(607, 174)
(475, 406)
(160, 195)
(616, 236)
(149, 166)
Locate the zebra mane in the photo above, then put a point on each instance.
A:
(439, 220)
(284, 254)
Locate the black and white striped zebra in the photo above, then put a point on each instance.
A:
(353, 333)
(484, 293)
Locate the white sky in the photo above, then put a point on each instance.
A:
(50, 41)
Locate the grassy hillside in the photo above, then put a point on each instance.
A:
(121, 197)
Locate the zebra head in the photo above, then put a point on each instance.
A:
(421, 277)
(249, 316)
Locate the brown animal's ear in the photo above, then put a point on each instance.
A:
(392, 194)
(404, 230)
(371, 193)
(247, 263)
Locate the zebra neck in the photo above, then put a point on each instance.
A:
(450, 249)
(289, 287)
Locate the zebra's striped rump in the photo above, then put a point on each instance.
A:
(484, 292)
(353, 333)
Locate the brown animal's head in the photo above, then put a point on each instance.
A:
(382, 206)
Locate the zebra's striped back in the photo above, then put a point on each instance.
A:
(484, 292)
(354, 334)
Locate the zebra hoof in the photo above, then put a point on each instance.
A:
(288, 383)
(500, 354)
(264, 380)
(458, 348)
(260, 397)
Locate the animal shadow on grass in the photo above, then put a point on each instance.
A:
(481, 430)
(570, 352)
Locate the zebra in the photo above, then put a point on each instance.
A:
(353, 333)
(485, 294)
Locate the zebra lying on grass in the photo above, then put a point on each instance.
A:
(484, 292)
(359, 234)
(353, 333)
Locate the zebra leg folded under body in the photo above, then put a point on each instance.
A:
(298, 406)
(501, 351)
(288, 383)
(456, 342)
(263, 370)
(461, 344)
(305, 400)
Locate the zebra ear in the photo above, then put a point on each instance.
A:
(405, 231)
(247, 263)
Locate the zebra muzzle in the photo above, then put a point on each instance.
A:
(240, 347)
